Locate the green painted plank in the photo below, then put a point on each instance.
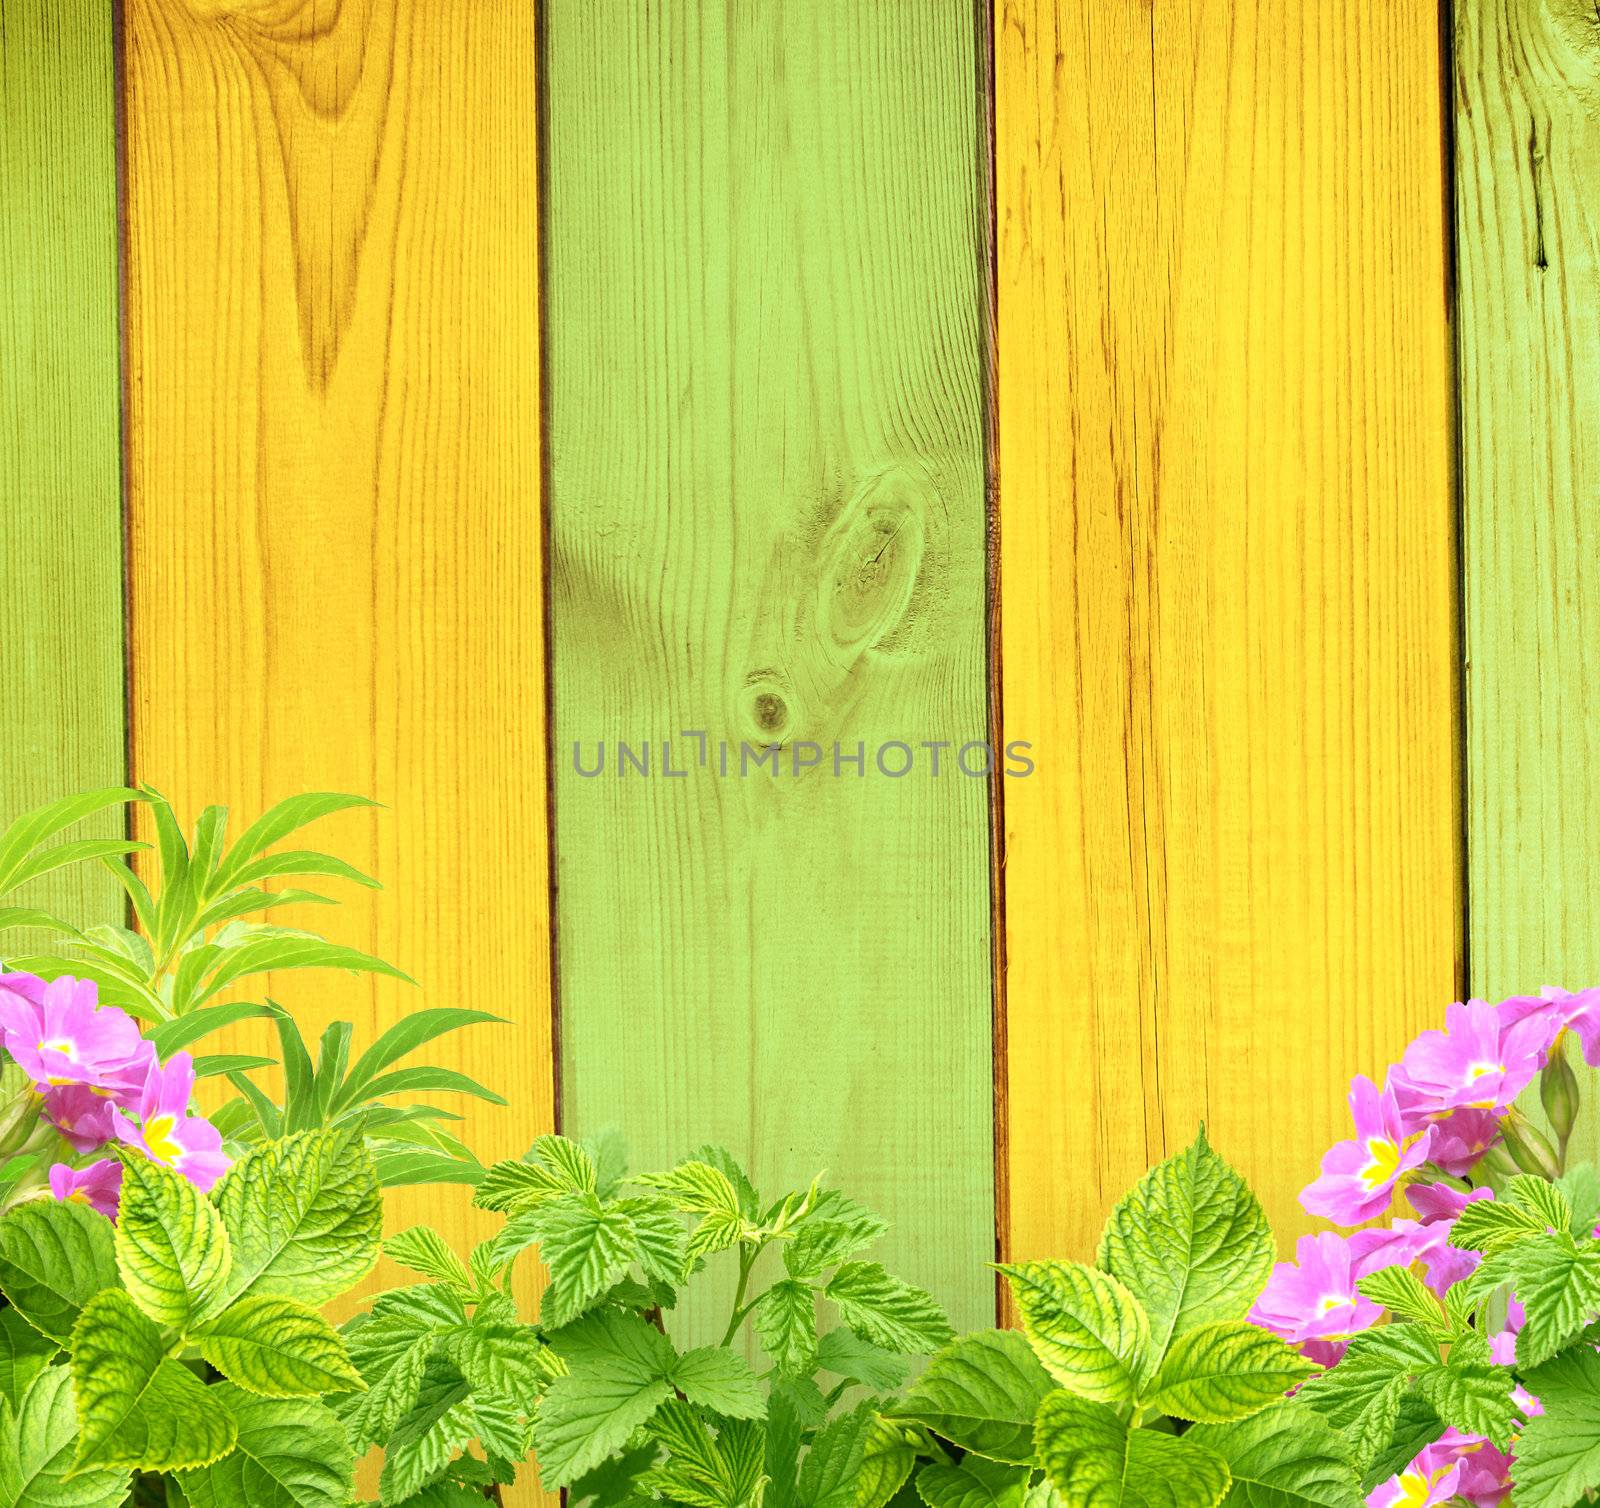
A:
(61, 707)
(765, 384)
(1528, 299)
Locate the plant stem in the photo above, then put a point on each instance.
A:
(747, 1260)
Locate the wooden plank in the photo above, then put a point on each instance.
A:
(767, 511)
(60, 464)
(334, 485)
(1227, 561)
(1528, 268)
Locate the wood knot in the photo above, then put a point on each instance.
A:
(871, 557)
(769, 715)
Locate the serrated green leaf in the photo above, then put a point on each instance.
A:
(583, 1419)
(1284, 1457)
(832, 1467)
(54, 1257)
(1090, 1332)
(830, 1236)
(37, 1441)
(1224, 1371)
(1415, 1427)
(847, 1355)
(1557, 1281)
(289, 1454)
(24, 1353)
(171, 1247)
(1558, 1452)
(981, 1393)
(660, 1243)
(501, 1358)
(972, 1483)
(887, 1457)
(424, 1250)
(1581, 1185)
(278, 1348)
(696, 1188)
(1096, 1461)
(715, 1232)
(1190, 1243)
(303, 1215)
(1362, 1395)
(610, 1336)
(887, 1310)
(1542, 1199)
(785, 1319)
(136, 1407)
(1488, 1225)
(586, 1245)
(1404, 1295)
(445, 1420)
(722, 1381)
(1475, 1399)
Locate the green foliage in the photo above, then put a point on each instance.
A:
(27, 852)
(165, 1347)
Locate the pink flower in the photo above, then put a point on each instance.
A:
(1464, 1136)
(81, 1115)
(59, 1035)
(1312, 1302)
(1359, 1176)
(1503, 1343)
(1558, 1010)
(1423, 1484)
(1485, 1479)
(99, 1185)
(1480, 1061)
(1439, 1201)
(1410, 1241)
(167, 1132)
(1529, 1405)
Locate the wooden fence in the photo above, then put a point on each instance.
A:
(394, 396)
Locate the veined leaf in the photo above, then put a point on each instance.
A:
(696, 1188)
(1189, 1243)
(32, 916)
(171, 1248)
(424, 1250)
(136, 1407)
(55, 1257)
(278, 1348)
(24, 1353)
(407, 1034)
(719, 1380)
(392, 1351)
(887, 1310)
(303, 1216)
(288, 1454)
(1287, 1456)
(847, 1355)
(832, 1468)
(48, 860)
(276, 824)
(427, 1079)
(583, 1418)
(1090, 1332)
(275, 954)
(586, 1246)
(1096, 1461)
(1225, 1371)
(981, 1393)
(785, 1319)
(1558, 1452)
(299, 863)
(173, 1036)
(36, 1447)
(972, 1483)
(33, 827)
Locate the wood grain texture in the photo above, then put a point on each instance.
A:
(60, 466)
(1527, 122)
(1227, 569)
(767, 517)
(334, 484)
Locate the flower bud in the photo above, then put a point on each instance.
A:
(1530, 1149)
(1558, 1090)
(1497, 1162)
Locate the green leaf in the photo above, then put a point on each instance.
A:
(32, 916)
(1096, 1461)
(171, 1248)
(289, 1454)
(299, 862)
(424, 1250)
(610, 1335)
(1405, 1296)
(659, 1241)
(1558, 1452)
(24, 1353)
(1224, 1371)
(715, 1232)
(1543, 1200)
(887, 1456)
(500, 1358)
(1581, 1185)
(48, 860)
(407, 1034)
(1189, 1243)
(136, 1407)
(832, 1467)
(837, 1229)
(1557, 1281)
(33, 827)
(1475, 1399)
(445, 1421)
(719, 1380)
(887, 1310)
(972, 1483)
(276, 824)
(278, 1348)
(303, 1215)
(1362, 1395)
(173, 1036)
(981, 1393)
(276, 954)
(392, 1351)
(1090, 1332)
(586, 1246)
(847, 1355)
(54, 1257)
(785, 1319)
(696, 1188)
(36, 1446)
(583, 1418)
(1284, 1457)
(422, 1080)
(1415, 1427)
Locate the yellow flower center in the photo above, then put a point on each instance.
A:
(1385, 1162)
(158, 1138)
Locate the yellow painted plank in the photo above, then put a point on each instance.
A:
(1226, 582)
(333, 484)
(1528, 298)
